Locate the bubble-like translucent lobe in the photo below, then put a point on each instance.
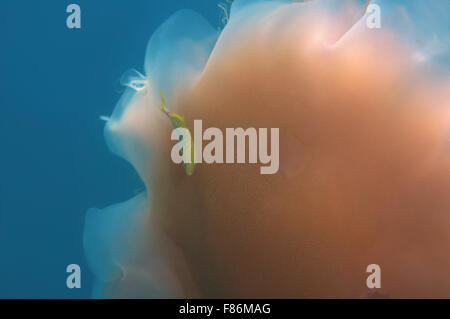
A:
(107, 238)
(177, 53)
(128, 132)
(127, 254)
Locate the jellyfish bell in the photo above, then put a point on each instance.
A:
(364, 173)
(363, 160)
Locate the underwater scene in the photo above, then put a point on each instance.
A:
(225, 149)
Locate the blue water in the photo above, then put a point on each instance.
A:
(54, 84)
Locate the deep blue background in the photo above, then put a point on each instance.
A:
(54, 164)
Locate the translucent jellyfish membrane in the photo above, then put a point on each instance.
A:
(364, 118)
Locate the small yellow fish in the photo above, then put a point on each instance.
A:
(177, 121)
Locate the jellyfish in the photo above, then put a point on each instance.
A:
(364, 178)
